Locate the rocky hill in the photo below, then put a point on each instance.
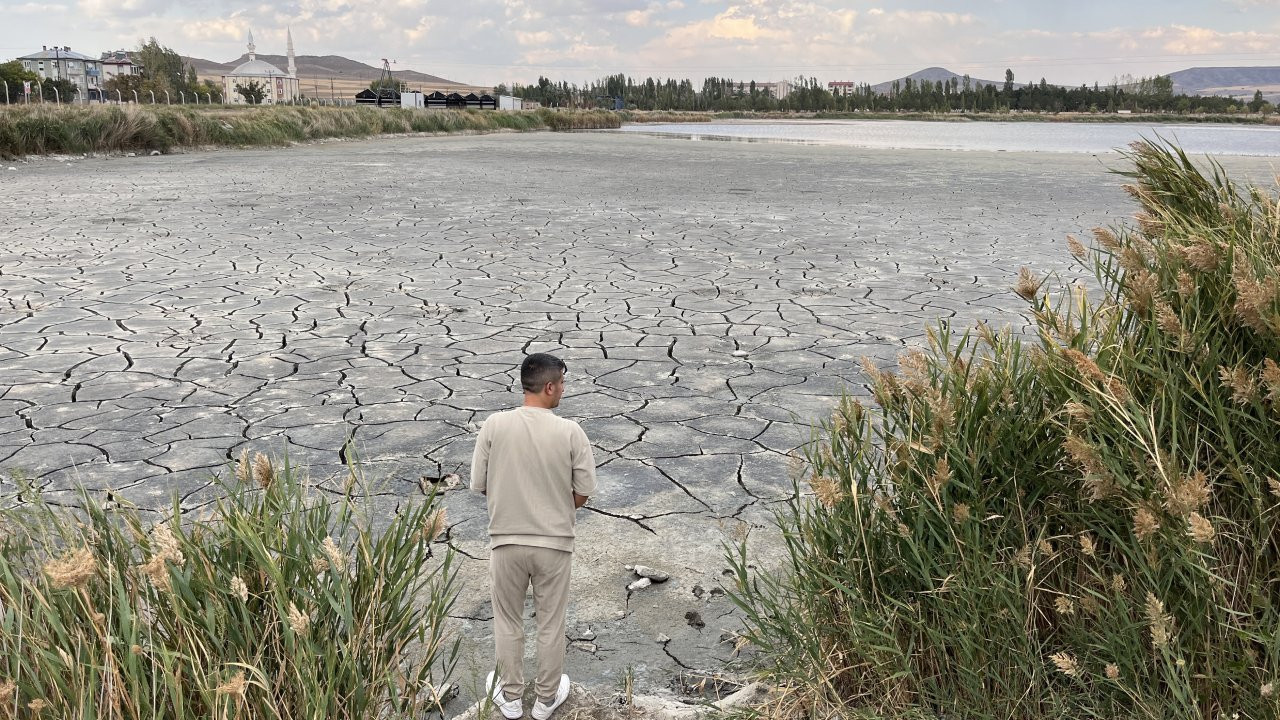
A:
(1239, 82)
(935, 75)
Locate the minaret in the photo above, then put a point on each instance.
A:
(293, 66)
(252, 57)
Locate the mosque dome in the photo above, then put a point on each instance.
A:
(256, 68)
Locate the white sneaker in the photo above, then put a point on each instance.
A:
(510, 709)
(542, 712)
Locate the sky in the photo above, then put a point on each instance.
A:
(486, 42)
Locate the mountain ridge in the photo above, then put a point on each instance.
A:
(936, 74)
(1239, 82)
(321, 66)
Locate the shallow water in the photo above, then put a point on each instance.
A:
(1065, 137)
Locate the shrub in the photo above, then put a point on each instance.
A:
(1080, 525)
(278, 604)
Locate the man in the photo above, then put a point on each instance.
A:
(535, 469)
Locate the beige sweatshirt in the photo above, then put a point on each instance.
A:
(530, 462)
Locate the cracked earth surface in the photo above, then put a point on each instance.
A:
(160, 314)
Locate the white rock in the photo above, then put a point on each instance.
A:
(665, 708)
(12, 167)
(155, 153)
(446, 692)
(640, 584)
(132, 155)
(740, 353)
(663, 638)
(645, 571)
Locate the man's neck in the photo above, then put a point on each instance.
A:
(533, 401)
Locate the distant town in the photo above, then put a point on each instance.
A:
(153, 73)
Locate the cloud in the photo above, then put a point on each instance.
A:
(771, 40)
(1189, 40)
(578, 40)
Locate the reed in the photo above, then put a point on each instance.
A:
(39, 129)
(663, 116)
(1083, 524)
(278, 603)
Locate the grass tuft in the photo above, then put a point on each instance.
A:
(278, 603)
(1081, 525)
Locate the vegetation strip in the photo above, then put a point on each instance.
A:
(52, 129)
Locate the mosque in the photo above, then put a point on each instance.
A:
(281, 87)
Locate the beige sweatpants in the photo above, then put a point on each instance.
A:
(511, 569)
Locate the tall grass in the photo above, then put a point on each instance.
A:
(1087, 525)
(39, 129)
(276, 604)
(663, 116)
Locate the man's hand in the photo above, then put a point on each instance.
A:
(579, 500)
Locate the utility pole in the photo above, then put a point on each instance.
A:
(57, 71)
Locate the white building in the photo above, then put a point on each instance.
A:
(61, 63)
(118, 62)
(281, 87)
(779, 90)
(842, 87)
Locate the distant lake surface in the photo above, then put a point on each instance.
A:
(1054, 137)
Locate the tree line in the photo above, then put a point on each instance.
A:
(957, 94)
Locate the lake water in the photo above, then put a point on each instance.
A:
(1064, 137)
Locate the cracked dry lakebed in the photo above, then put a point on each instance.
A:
(158, 315)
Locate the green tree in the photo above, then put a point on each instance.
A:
(253, 92)
(210, 88)
(126, 86)
(1258, 101)
(164, 69)
(14, 74)
(1008, 81)
(60, 90)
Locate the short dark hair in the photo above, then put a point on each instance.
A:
(539, 369)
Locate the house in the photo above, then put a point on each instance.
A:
(117, 63)
(62, 63)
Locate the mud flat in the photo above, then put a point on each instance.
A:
(160, 314)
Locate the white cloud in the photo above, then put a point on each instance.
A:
(491, 40)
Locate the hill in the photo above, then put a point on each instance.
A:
(935, 75)
(326, 75)
(1240, 82)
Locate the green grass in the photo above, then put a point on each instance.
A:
(278, 602)
(37, 130)
(1086, 525)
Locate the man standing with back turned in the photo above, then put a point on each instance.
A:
(536, 469)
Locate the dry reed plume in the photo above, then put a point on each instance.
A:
(1102, 497)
